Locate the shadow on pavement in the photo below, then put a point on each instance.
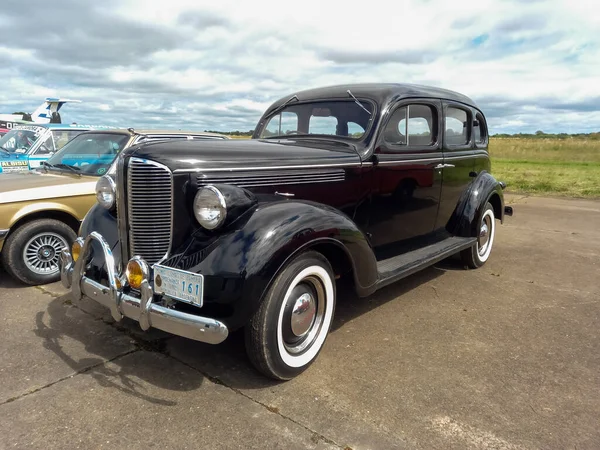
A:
(226, 362)
(58, 323)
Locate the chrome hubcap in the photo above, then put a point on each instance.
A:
(484, 234)
(303, 314)
(41, 253)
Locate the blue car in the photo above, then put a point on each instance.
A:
(26, 146)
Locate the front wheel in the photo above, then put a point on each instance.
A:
(32, 251)
(288, 331)
(478, 254)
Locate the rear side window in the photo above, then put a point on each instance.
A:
(479, 130)
(457, 126)
(411, 125)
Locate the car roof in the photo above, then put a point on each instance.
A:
(380, 92)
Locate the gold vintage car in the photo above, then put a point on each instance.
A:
(40, 210)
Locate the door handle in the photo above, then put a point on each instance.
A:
(449, 165)
(441, 166)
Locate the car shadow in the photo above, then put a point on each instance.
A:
(226, 363)
(59, 323)
(8, 282)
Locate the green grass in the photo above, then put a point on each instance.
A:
(567, 167)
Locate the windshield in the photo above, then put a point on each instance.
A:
(341, 118)
(90, 153)
(20, 140)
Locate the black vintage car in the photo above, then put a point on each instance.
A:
(366, 183)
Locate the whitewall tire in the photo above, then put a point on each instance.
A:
(291, 325)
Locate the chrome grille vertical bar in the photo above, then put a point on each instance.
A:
(149, 209)
(121, 215)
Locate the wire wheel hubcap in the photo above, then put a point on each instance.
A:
(41, 253)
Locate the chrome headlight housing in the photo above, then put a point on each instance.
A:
(210, 208)
(106, 192)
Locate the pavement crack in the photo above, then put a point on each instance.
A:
(79, 372)
(269, 408)
(47, 292)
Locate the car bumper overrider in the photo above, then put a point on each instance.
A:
(140, 308)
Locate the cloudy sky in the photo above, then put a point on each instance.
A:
(217, 65)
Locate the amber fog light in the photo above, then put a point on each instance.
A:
(136, 272)
(76, 248)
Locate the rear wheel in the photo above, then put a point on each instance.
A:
(289, 329)
(31, 253)
(478, 254)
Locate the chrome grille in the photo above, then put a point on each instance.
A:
(272, 178)
(149, 209)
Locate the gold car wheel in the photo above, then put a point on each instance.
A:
(41, 253)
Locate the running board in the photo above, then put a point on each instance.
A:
(400, 266)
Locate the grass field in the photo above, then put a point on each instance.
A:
(545, 166)
(568, 167)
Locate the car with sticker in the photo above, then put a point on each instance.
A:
(41, 210)
(25, 147)
(362, 184)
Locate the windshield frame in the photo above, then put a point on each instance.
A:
(374, 108)
(59, 153)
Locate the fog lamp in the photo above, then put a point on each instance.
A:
(76, 248)
(136, 272)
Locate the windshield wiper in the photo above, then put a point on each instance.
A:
(284, 104)
(73, 169)
(357, 102)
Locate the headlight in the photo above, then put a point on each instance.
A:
(105, 192)
(210, 209)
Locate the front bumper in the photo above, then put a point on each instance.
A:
(142, 309)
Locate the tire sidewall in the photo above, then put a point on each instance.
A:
(12, 252)
(281, 362)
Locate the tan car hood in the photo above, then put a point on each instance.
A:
(28, 186)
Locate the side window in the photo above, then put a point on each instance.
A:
(47, 147)
(457, 126)
(411, 125)
(355, 130)
(479, 130)
(322, 125)
(284, 123)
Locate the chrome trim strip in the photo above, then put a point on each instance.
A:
(3, 233)
(122, 214)
(235, 169)
(141, 309)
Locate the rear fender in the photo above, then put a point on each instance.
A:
(485, 188)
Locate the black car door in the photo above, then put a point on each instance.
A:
(459, 158)
(407, 176)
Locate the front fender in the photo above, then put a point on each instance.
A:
(239, 265)
(483, 189)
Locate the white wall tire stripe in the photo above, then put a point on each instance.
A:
(306, 357)
(488, 250)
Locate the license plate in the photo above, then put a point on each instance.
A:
(179, 284)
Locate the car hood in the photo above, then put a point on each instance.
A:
(34, 185)
(246, 153)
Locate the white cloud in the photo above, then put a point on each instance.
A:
(216, 65)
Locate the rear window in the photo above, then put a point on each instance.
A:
(457, 126)
(479, 130)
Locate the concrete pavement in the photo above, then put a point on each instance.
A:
(503, 357)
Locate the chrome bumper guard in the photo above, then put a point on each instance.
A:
(141, 309)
